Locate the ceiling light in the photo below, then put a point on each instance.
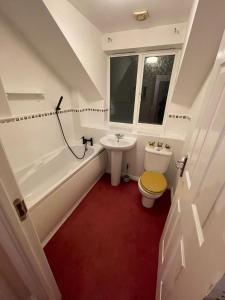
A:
(152, 60)
(141, 15)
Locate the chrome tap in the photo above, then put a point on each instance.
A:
(151, 144)
(159, 144)
(167, 147)
(119, 136)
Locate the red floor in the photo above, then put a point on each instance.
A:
(108, 248)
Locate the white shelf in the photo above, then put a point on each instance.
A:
(31, 95)
(38, 93)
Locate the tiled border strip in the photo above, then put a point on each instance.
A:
(180, 116)
(47, 114)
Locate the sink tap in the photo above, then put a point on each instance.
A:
(119, 136)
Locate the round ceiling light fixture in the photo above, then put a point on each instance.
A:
(141, 15)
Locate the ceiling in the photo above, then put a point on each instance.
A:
(116, 15)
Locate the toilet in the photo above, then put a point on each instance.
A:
(152, 183)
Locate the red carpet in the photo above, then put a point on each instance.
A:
(108, 248)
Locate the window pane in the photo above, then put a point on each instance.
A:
(123, 76)
(156, 81)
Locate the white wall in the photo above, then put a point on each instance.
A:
(4, 106)
(91, 118)
(200, 49)
(160, 37)
(84, 38)
(22, 70)
(41, 31)
(77, 117)
(135, 157)
(95, 123)
(195, 112)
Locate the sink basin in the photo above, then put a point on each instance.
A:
(116, 148)
(110, 142)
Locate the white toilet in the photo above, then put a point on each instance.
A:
(152, 184)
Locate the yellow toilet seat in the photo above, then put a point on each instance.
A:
(153, 182)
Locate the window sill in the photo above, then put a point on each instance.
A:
(130, 129)
(138, 128)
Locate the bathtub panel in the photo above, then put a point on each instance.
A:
(51, 211)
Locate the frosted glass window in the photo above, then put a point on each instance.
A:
(155, 86)
(123, 77)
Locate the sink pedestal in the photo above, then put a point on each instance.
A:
(117, 146)
(116, 165)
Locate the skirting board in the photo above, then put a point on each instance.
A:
(50, 235)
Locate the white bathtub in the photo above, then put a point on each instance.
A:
(54, 185)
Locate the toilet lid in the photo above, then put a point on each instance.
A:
(153, 182)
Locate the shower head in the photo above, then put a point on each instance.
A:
(59, 103)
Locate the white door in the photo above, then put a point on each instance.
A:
(24, 270)
(192, 248)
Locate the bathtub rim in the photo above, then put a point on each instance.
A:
(57, 150)
(32, 204)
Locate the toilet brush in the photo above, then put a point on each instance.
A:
(126, 177)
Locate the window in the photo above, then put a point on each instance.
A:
(127, 105)
(123, 77)
(155, 86)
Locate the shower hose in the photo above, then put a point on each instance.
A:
(71, 150)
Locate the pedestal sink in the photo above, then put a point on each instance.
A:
(117, 144)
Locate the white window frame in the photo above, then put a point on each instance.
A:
(139, 81)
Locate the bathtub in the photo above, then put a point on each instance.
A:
(54, 185)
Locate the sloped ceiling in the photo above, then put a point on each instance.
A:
(38, 27)
(206, 29)
(113, 15)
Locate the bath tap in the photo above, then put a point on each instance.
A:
(118, 136)
(85, 141)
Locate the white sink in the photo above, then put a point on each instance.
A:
(111, 142)
(117, 146)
